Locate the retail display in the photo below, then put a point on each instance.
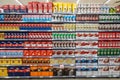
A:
(15, 8)
(45, 39)
(93, 8)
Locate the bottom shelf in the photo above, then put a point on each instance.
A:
(55, 77)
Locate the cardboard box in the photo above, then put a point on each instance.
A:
(81, 71)
(115, 71)
(11, 70)
(50, 5)
(7, 61)
(35, 7)
(45, 71)
(38, 53)
(45, 7)
(26, 53)
(95, 71)
(103, 61)
(69, 71)
(26, 70)
(89, 71)
(57, 71)
(65, 7)
(32, 53)
(40, 7)
(49, 52)
(115, 61)
(55, 7)
(4, 61)
(16, 61)
(104, 71)
(3, 71)
(43, 53)
(69, 5)
(74, 7)
(34, 71)
(30, 7)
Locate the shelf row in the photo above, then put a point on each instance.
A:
(54, 72)
(54, 40)
(92, 61)
(24, 36)
(60, 18)
(64, 65)
(59, 40)
(100, 52)
(47, 27)
(7, 48)
(59, 13)
(63, 77)
(61, 22)
(58, 7)
(60, 56)
(59, 31)
(59, 44)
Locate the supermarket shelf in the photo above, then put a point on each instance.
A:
(60, 31)
(26, 13)
(115, 56)
(96, 39)
(99, 48)
(57, 65)
(87, 39)
(97, 22)
(108, 39)
(112, 56)
(37, 56)
(87, 30)
(56, 22)
(26, 31)
(40, 64)
(58, 48)
(63, 64)
(109, 47)
(37, 48)
(95, 64)
(38, 40)
(58, 13)
(74, 57)
(27, 22)
(98, 31)
(99, 13)
(38, 77)
(57, 39)
(60, 77)
(63, 56)
(14, 40)
(15, 57)
(38, 31)
(39, 13)
(109, 65)
(28, 65)
(97, 77)
(86, 48)
(65, 48)
(114, 22)
(61, 22)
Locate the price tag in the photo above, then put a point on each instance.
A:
(61, 66)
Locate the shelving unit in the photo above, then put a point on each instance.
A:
(60, 45)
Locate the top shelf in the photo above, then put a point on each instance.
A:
(59, 13)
